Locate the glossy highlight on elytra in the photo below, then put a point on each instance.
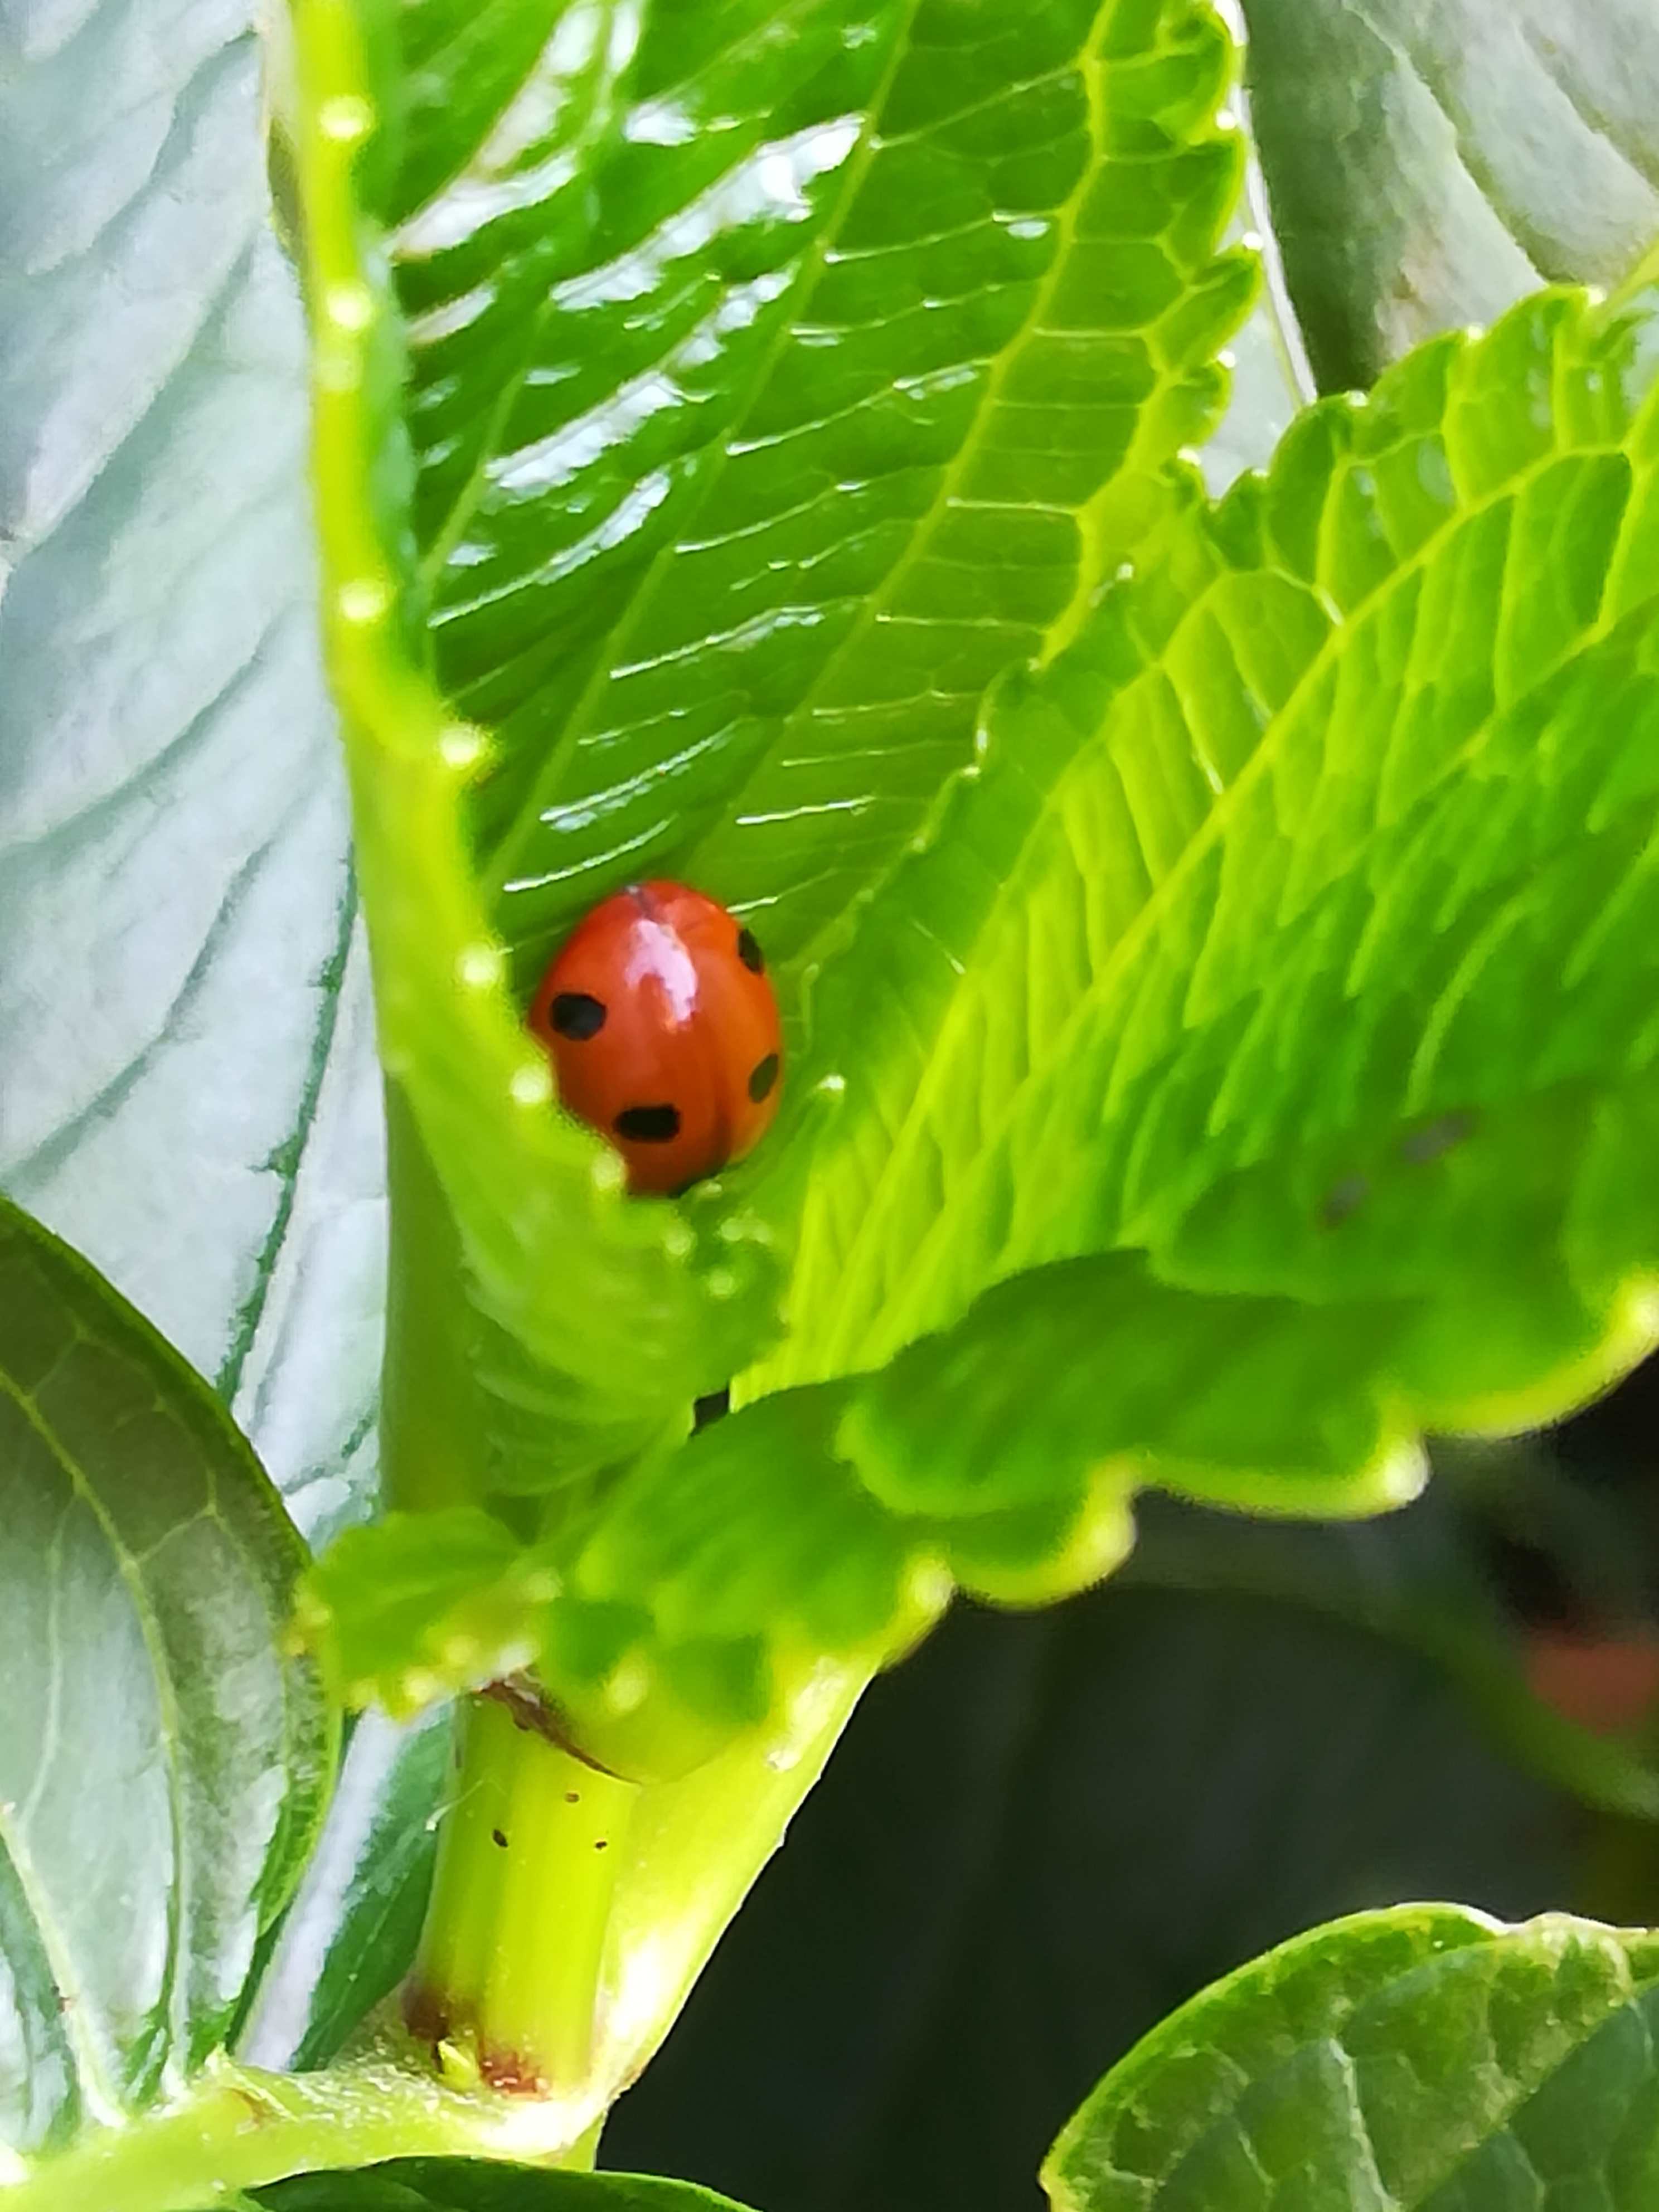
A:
(663, 1033)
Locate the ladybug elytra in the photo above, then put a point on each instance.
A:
(663, 1032)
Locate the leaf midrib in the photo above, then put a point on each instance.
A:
(498, 863)
(1087, 64)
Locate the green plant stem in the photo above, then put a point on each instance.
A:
(508, 1973)
(238, 2129)
(430, 1415)
(554, 1969)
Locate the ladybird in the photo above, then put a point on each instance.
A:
(663, 1032)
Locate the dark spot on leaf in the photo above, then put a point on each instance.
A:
(1436, 1137)
(750, 953)
(762, 1076)
(573, 1796)
(600, 1845)
(649, 1125)
(711, 1407)
(498, 1839)
(1345, 1198)
(576, 1016)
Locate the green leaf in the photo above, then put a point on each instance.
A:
(543, 1325)
(1262, 1398)
(1429, 165)
(1296, 933)
(163, 1765)
(420, 1605)
(190, 1091)
(456, 2185)
(852, 386)
(660, 300)
(349, 1935)
(1425, 2056)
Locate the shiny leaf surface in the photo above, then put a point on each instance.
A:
(1423, 2056)
(1429, 166)
(542, 1326)
(571, 253)
(145, 1582)
(850, 393)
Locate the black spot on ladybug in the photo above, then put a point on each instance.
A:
(762, 1076)
(576, 1016)
(649, 1125)
(573, 1796)
(750, 953)
(498, 1839)
(601, 1844)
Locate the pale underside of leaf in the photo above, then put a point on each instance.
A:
(1428, 166)
(173, 874)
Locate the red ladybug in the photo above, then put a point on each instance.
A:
(663, 1032)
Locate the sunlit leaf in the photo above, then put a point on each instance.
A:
(1296, 930)
(885, 344)
(746, 457)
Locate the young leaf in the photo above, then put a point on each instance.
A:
(856, 382)
(1297, 931)
(190, 1093)
(163, 1764)
(1429, 166)
(543, 1325)
(1424, 2055)
(456, 2185)
(418, 1605)
(999, 452)
(804, 371)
